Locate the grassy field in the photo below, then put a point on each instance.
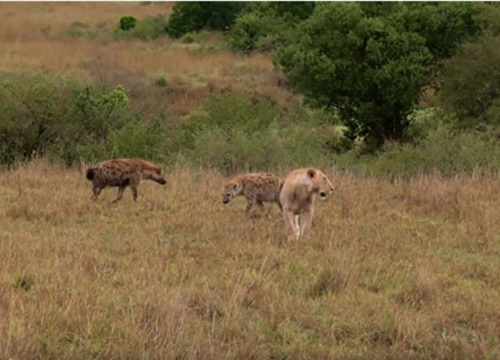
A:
(390, 271)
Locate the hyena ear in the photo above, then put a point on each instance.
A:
(311, 173)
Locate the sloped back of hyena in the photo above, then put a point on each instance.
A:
(297, 199)
(257, 188)
(122, 173)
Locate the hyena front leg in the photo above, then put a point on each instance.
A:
(96, 190)
(251, 200)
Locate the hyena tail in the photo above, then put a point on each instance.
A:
(90, 173)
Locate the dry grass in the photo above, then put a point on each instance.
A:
(390, 271)
(35, 37)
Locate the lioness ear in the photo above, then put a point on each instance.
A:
(235, 186)
(310, 173)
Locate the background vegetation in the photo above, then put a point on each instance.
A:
(394, 101)
(375, 92)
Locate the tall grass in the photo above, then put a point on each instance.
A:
(399, 271)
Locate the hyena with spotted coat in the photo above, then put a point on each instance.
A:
(122, 173)
(257, 188)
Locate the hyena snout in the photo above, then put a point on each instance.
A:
(226, 198)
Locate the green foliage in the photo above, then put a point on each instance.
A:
(152, 27)
(444, 26)
(470, 83)
(369, 62)
(161, 81)
(267, 25)
(138, 139)
(443, 151)
(194, 16)
(127, 22)
(43, 115)
(237, 132)
(188, 39)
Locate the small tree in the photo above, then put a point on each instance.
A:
(194, 16)
(365, 68)
(127, 22)
(470, 83)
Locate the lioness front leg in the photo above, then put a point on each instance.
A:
(305, 223)
(291, 225)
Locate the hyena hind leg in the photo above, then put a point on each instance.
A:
(119, 196)
(133, 188)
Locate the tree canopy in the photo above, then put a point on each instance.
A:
(369, 62)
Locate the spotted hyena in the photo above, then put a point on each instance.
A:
(257, 188)
(122, 173)
(297, 198)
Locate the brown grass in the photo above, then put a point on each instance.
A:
(390, 271)
(35, 36)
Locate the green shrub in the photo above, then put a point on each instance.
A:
(161, 81)
(238, 132)
(470, 83)
(188, 39)
(65, 120)
(443, 150)
(127, 22)
(194, 16)
(152, 27)
(255, 31)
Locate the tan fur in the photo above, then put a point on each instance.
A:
(257, 188)
(122, 173)
(297, 199)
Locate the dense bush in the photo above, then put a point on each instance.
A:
(150, 28)
(127, 22)
(238, 132)
(443, 151)
(470, 83)
(194, 16)
(267, 24)
(68, 120)
(369, 62)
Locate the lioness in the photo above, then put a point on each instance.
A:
(297, 199)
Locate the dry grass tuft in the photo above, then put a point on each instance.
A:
(386, 273)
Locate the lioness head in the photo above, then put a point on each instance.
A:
(320, 183)
(231, 190)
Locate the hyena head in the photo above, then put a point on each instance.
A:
(151, 174)
(233, 188)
